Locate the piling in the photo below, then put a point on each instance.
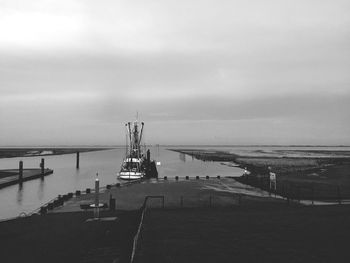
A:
(20, 172)
(42, 166)
(78, 157)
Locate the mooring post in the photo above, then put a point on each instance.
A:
(111, 203)
(42, 166)
(77, 164)
(20, 172)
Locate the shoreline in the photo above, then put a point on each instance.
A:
(45, 151)
(321, 178)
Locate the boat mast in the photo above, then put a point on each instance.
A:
(126, 139)
(141, 133)
(130, 146)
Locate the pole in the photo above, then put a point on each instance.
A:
(42, 166)
(97, 201)
(20, 171)
(78, 157)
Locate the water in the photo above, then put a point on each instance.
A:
(33, 194)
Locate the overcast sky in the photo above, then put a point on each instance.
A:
(197, 71)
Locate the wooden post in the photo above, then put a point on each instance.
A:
(20, 171)
(77, 163)
(42, 166)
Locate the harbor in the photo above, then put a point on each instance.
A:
(188, 209)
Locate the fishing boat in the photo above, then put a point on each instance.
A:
(134, 165)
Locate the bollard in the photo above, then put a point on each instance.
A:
(207, 177)
(197, 177)
(117, 185)
(42, 166)
(187, 177)
(70, 195)
(77, 192)
(218, 176)
(77, 163)
(165, 178)
(111, 203)
(20, 171)
(108, 186)
(88, 190)
(176, 178)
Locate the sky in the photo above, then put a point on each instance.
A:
(72, 72)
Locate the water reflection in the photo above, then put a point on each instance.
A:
(20, 194)
(182, 157)
(66, 178)
(41, 189)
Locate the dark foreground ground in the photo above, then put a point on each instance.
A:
(264, 233)
(66, 237)
(260, 232)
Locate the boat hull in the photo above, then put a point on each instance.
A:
(130, 176)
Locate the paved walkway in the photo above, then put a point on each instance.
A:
(185, 193)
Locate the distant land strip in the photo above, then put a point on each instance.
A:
(29, 152)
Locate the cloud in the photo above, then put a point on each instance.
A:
(227, 68)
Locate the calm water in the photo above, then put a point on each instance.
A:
(14, 200)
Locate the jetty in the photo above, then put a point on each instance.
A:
(14, 176)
